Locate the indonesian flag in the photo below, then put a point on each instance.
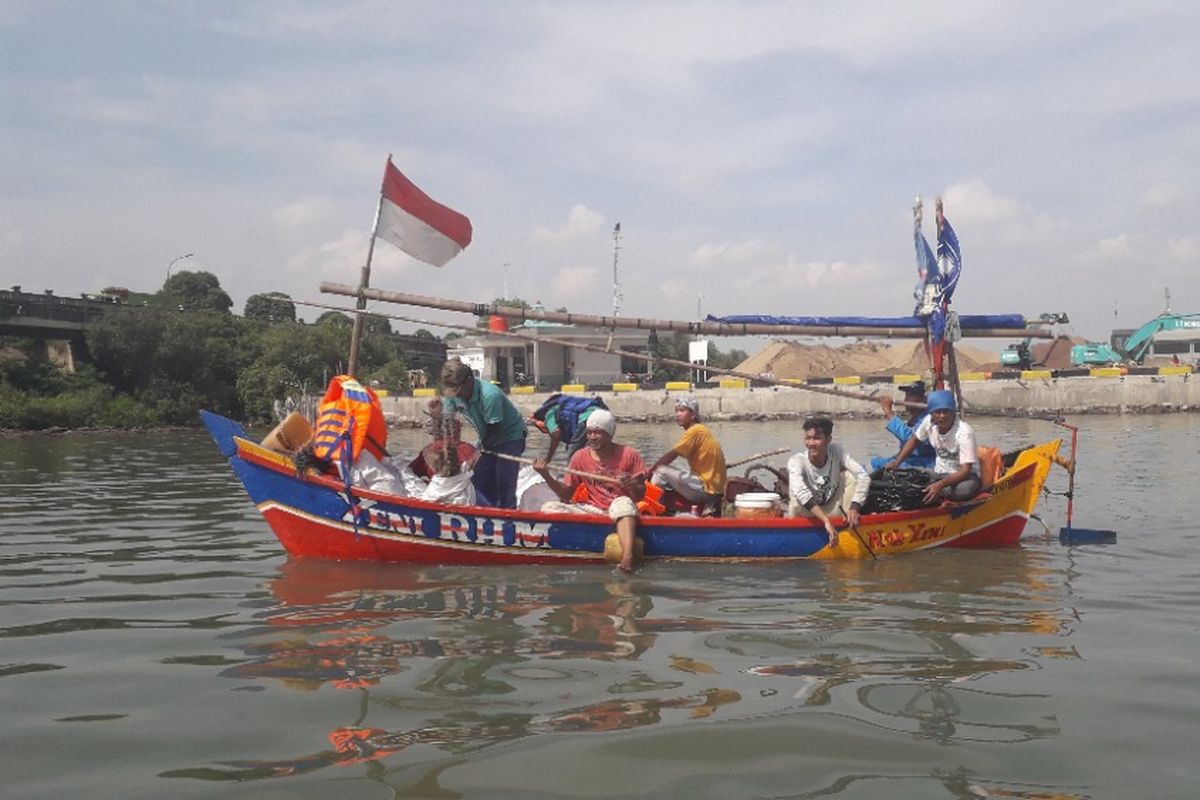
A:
(418, 224)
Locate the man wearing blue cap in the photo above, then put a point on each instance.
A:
(902, 426)
(956, 468)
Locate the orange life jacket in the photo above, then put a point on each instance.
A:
(991, 465)
(349, 407)
(648, 506)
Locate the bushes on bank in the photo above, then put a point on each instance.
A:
(154, 366)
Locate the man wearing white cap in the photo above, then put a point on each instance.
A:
(703, 482)
(617, 496)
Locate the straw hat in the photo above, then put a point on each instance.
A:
(290, 435)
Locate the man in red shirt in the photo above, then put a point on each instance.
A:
(617, 496)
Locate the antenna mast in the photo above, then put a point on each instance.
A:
(616, 283)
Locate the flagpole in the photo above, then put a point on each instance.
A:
(364, 281)
(939, 349)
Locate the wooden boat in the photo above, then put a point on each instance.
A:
(313, 515)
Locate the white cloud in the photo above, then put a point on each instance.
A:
(571, 282)
(1115, 248)
(12, 238)
(1161, 195)
(975, 201)
(1183, 250)
(745, 252)
(304, 212)
(341, 259)
(581, 221)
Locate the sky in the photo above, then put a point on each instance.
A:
(760, 157)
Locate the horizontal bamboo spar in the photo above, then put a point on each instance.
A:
(641, 323)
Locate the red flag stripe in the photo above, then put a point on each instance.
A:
(404, 193)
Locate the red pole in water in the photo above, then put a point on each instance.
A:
(1071, 471)
(1070, 535)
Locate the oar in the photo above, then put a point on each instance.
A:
(568, 470)
(757, 456)
(1070, 534)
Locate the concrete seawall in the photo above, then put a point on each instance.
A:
(1118, 394)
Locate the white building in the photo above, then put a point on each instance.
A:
(548, 365)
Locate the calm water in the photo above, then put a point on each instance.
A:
(156, 642)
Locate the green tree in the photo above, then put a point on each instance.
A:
(124, 346)
(197, 291)
(271, 307)
(391, 375)
(335, 318)
(723, 360)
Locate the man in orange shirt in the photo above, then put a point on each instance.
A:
(703, 482)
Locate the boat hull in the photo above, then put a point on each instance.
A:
(314, 516)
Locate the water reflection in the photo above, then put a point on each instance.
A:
(453, 661)
(962, 784)
(336, 616)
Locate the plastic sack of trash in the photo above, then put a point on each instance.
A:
(412, 485)
(896, 490)
(532, 491)
(455, 490)
(374, 475)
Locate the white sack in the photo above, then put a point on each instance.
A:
(455, 490)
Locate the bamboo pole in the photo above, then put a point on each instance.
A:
(757, 456)
(640, 323)
(522, 460)
(364, 281)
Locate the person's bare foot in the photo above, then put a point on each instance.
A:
(626, 565)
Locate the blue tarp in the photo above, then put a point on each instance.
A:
(966, 321)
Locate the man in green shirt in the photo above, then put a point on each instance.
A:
(498, 424)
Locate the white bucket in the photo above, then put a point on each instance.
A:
(757, 504)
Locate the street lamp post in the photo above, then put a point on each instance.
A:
(177, 258)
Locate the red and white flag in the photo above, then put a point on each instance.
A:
(418, 224)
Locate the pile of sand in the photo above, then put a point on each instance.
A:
(786, 359)
(1056, 353)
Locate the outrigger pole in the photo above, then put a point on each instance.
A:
(641, 323)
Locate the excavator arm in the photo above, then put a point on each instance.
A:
(1138, 343)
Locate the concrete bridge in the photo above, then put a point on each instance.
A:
(58, 322)
(47, 315)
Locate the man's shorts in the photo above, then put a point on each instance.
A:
(620, 508)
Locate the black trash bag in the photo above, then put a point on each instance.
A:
(306, 459)
(897, 490)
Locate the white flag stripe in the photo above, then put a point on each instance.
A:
(415, 237)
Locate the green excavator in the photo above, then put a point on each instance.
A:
(1091, 354)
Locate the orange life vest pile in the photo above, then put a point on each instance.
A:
(349, 409)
